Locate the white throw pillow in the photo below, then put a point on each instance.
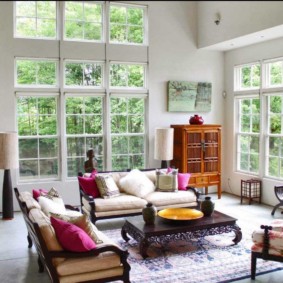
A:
(137, 183)
(167, 182)
(55, 205)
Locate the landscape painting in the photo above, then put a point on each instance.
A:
(189, 96)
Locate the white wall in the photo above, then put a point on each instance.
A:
(238, 18)
(266, 50)
(173, 55)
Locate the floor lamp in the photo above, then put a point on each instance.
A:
(163, 146)
(8, 160)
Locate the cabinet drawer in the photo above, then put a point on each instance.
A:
(202, 180)
(214, 179)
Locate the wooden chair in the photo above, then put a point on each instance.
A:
(278, 190)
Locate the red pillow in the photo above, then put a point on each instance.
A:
(183, 180)
(71, 237)
(89, 186)
(37, 193)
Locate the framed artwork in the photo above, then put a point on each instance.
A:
(189, 96)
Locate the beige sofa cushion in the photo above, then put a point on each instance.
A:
(121, 202)
(29, 200)
(163, 199)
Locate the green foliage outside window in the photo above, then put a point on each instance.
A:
(127, 133)
(250, 77)
(35, 72)
(126, 24)
(83, 21)
(38, 141)
(36, 19)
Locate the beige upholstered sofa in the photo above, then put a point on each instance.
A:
(133, 196)
(107, 262)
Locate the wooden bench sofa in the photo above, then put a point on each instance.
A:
(130, 204)
(106, 263)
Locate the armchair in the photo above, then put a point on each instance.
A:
(268, 244)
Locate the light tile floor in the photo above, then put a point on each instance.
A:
(18, 264)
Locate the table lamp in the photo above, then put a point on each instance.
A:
(8, 160)
(163, 146)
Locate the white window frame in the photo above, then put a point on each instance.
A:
(145, 24)
(102, 63)
(36, 18)
(102, 3)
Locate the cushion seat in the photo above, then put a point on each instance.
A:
(162, 199)
(121, 202)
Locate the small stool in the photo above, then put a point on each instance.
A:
(251, 189)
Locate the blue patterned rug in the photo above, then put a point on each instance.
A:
(211, 259)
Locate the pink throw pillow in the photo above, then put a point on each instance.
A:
(71, 237)
(37, 193)
(183, 180)
(89, 186)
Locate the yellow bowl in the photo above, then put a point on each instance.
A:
(180, 213)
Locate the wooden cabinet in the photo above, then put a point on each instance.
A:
(197, 150)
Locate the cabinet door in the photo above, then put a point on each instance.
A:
(211, 151)
(194, 151)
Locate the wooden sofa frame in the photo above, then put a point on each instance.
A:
(264, 254)
(91, 200)
(45, 256)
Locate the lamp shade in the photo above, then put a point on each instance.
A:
(163, 146)
(8, 150)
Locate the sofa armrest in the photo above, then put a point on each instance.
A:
(197, 193)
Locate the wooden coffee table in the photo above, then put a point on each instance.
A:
(164, 231)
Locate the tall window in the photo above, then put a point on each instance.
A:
(127, 132)
(66, 106)
(265, 90)
(35, 19)
(127, 24)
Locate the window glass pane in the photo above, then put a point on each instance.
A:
(83, 74)
(83, 21)
(36, 73)
(249, 77)
(84, 120)
(126, 24)
(276, 74)
(119, 145)
(39, 157)
(36, 19)
(275, 116)
(127, 76)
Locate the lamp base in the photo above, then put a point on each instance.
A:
(165, 164)
(7, 200)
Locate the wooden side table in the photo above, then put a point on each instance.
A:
(251, 189)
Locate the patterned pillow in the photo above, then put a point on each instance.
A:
(55, 205)
(107, 186)
(167, 182)
(80, 221)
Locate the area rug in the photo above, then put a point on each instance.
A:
(210, 259)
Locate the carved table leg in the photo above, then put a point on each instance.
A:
(238, 234)
(144, 244)
(124, 234)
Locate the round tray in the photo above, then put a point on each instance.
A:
(180, 214)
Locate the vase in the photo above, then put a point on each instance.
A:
(196, 120)
(207, 206)
(149, 213)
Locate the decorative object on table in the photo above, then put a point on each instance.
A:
(278, 190)
(207, 206)
(189, 96)
(163, 146)
(196, 120)
(149, 213)
(8, 160)
(251, 189)
(180, 213)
